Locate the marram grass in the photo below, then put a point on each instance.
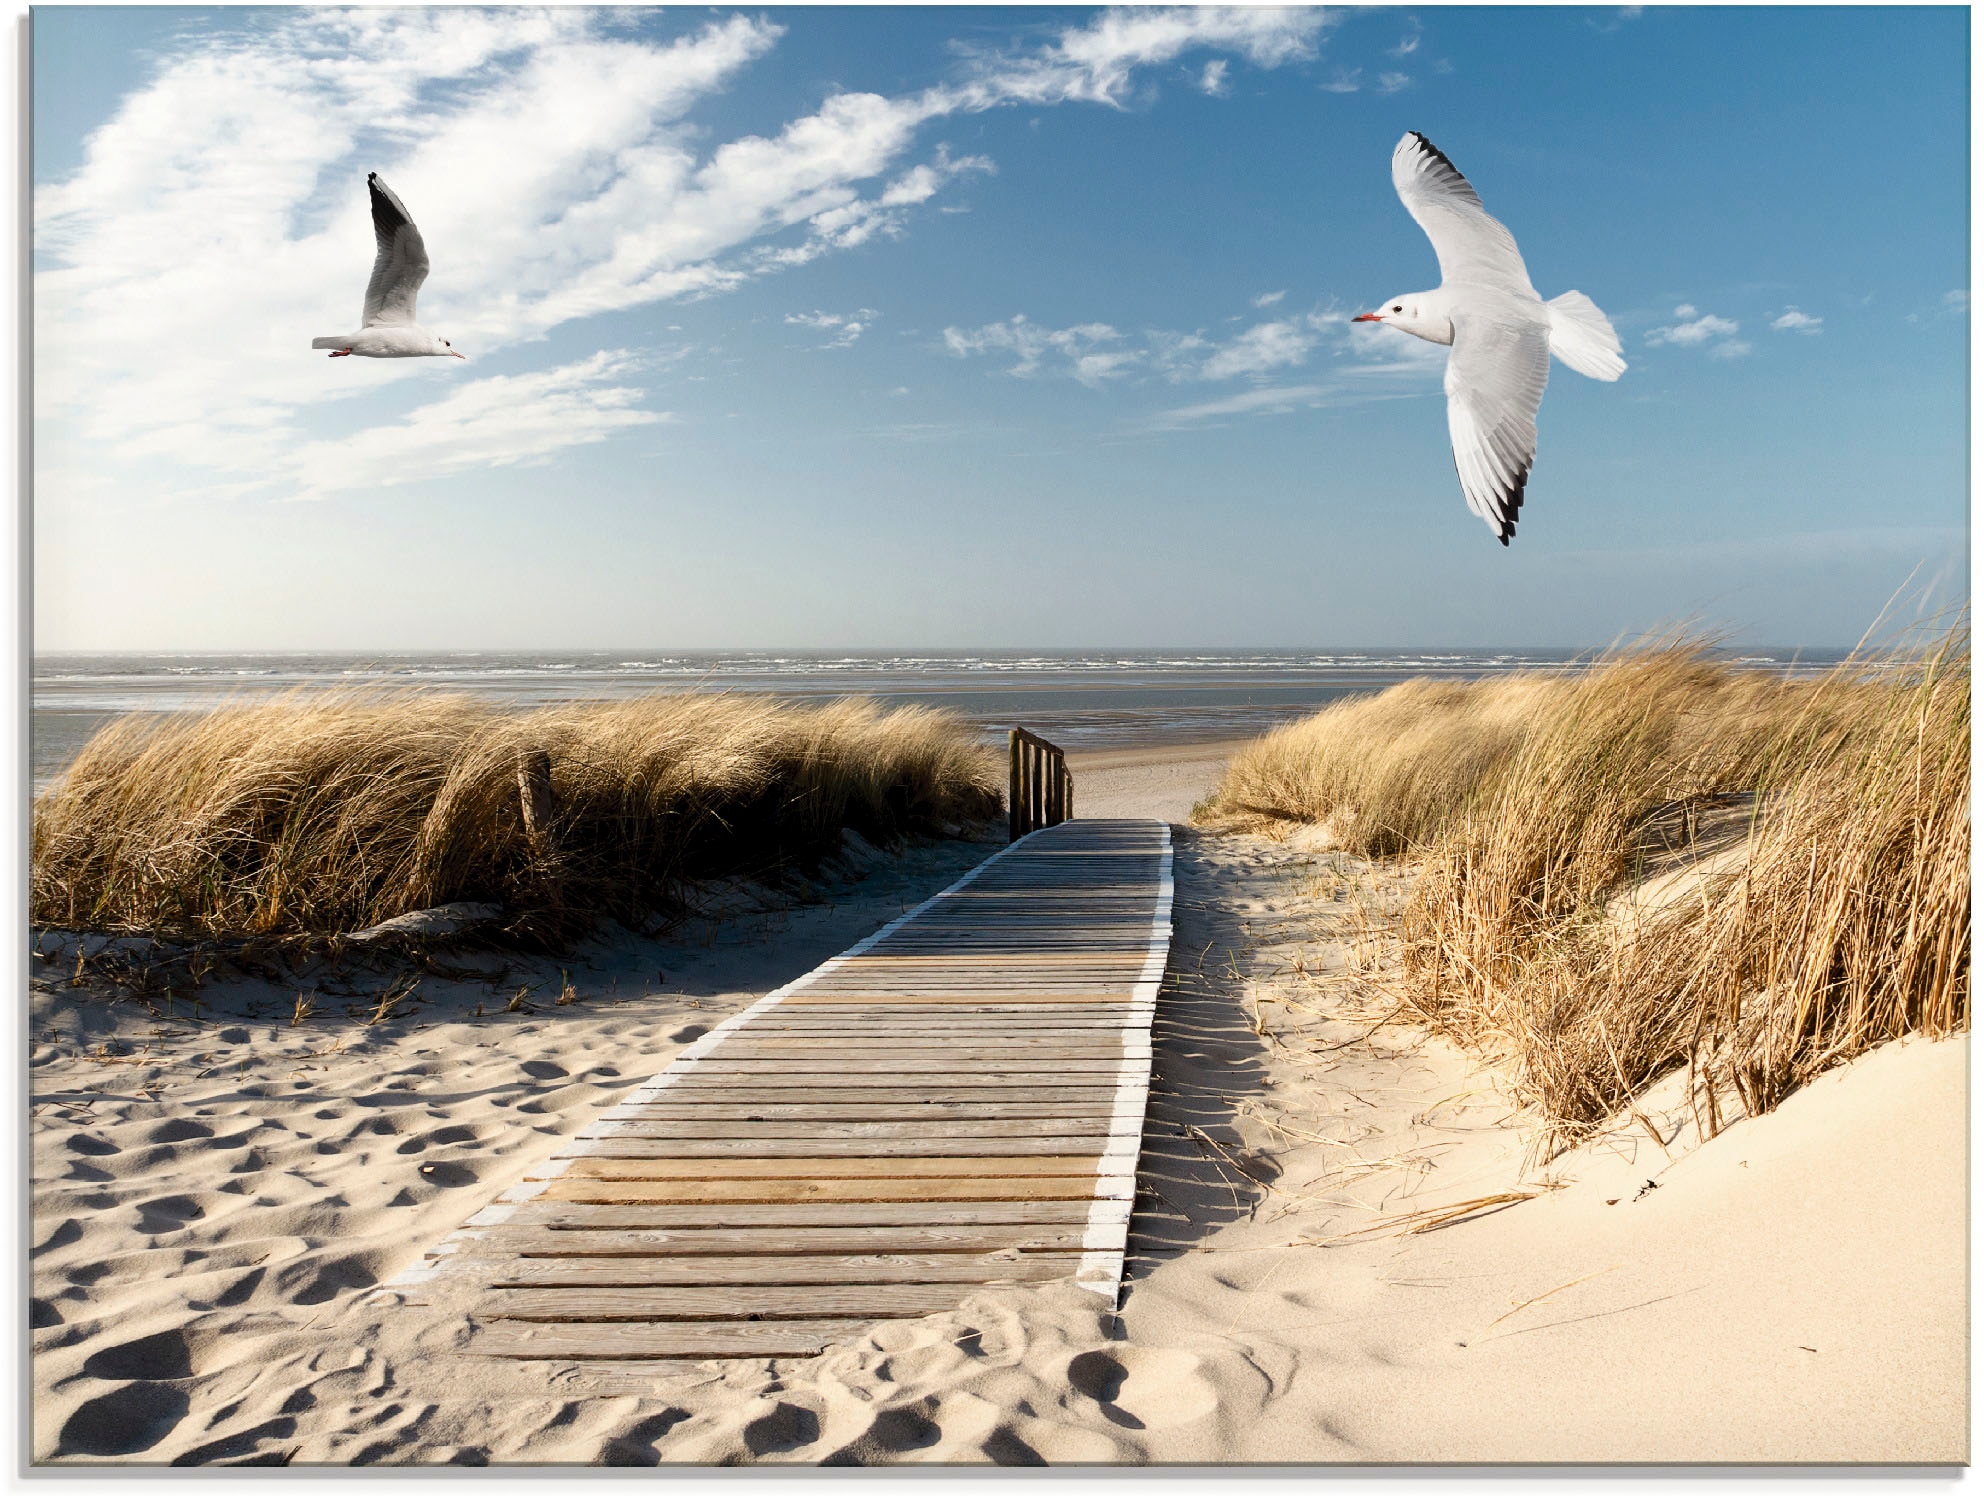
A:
(318, 813)
(1525, 802)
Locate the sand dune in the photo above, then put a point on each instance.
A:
(216, 1203)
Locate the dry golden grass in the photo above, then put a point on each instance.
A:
(321, 813)
(1529, 801)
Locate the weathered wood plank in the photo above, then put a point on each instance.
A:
(608, 1215)
(826, 1170)
(762, 1302)
(790, 1244)
(620, 1145)
(521, 1340)
(889, 1108)
(749, 1134)
(676, 1271)
(803, 1191)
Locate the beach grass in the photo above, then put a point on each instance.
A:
(324, 812)
(1534, 806)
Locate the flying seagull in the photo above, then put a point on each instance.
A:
(1501, 332)
(388, 330)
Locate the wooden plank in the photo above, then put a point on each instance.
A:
(676, 1271)
(621, 1145)
(812, 1191)
(822, 1170)
(905, 1090)
(571, 1244)
(521, 1340)
(870, 1301)
(774, 1069)
(889, 1108)
(748, 1135)
(810, 997)
(796, 1219)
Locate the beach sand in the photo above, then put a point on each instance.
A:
(217, 1196)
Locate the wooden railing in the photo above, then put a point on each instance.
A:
(1041, 791)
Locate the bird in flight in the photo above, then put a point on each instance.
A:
(1501, 332)
(388, 330)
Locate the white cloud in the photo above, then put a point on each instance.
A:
(551, 161)
(1391, 83)
(1087, 351)
(1213, 79)
(1264, 347)
(1364, 363)
(1793, 320)
(1619, 18)
(1730, 348)
(1268, 298)
(840, 329)
(1409, 43)
(1692, 328)
(1272, 400)
(501, 421)
(1344, 81)
(1095, 351)
(1956, 302)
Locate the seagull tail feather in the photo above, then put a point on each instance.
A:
(338, 342)
(1582, 338)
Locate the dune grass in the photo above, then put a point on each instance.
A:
(1526, 803)
(319, 813)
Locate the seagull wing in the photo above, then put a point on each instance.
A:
(1495, 379)
(402, 263)
(1472, 246)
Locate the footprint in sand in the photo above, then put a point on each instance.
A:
(1144, 1388)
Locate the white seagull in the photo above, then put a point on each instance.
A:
(1501, 332)
(388, 330)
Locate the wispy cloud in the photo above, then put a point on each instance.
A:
(1092, 352)
(1269, 400)
(501, 421)
(1261, 349)
(551, 160)
(1213, 79)
(1391, 83)
(1793, 320)
(1621, 17)
(1344, 81)
(1358, 364)
(1409, 43)
(1267, 299)
(838, 329)
(1694, 328)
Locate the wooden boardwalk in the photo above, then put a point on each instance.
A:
(956, 1101)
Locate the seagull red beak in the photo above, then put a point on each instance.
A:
(458, 355)
(1368, 317)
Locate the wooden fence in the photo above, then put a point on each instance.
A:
(1041, 791)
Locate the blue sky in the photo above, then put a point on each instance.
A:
(975, 327)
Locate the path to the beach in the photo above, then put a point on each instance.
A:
(956, 1101)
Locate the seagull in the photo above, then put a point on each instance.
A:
(388, 330)
(1501, 332)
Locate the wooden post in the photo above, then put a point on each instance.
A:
(1056, 773)
(1013, 781)
(1039, 776)
(1071, 797)
(534, 795)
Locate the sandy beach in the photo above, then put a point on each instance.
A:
(1343, 1247)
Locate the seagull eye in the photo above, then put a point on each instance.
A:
(1398, 308)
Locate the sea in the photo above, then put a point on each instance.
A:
(1086, 701)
